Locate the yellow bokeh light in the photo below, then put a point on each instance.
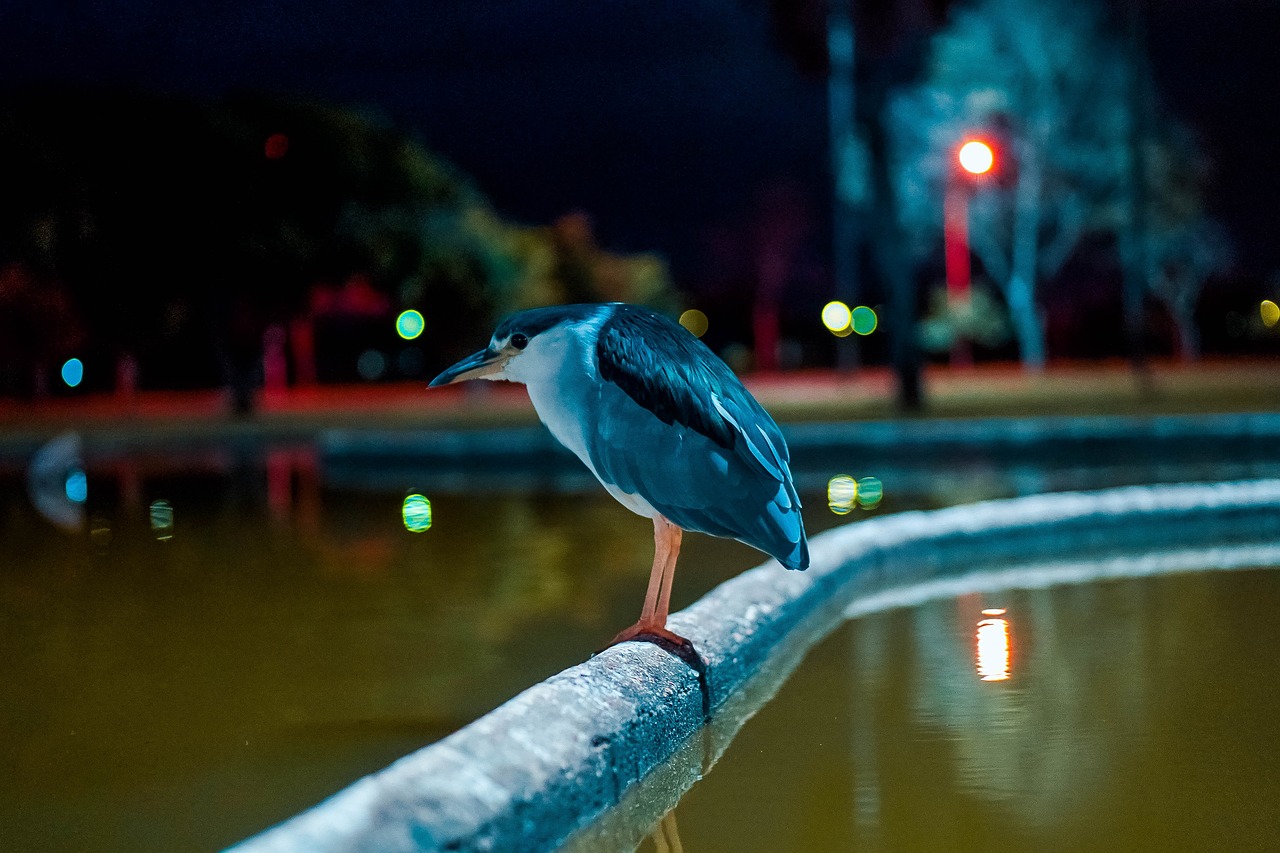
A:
(842, 494)
(1270, 313)
(837, 317)
(695, 321)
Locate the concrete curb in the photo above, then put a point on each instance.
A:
(545, 764)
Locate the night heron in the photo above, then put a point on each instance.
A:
(663, 424)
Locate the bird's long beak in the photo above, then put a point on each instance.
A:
(473, 366)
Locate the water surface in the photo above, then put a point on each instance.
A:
(201, 642)
(1122, 715)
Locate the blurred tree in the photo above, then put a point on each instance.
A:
(980, 319)
(470, 265)
(1183, 247)
(1047, 81)
(1043, 80)
(180, 230)
(170, 220)
(1180, 258)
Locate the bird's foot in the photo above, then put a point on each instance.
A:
(669, 641)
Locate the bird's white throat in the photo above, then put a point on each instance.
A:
(559, 367)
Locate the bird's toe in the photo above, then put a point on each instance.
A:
(664, 639)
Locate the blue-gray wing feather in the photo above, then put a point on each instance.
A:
(675, 426)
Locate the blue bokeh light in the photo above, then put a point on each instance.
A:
(72, 372)
(77, 486)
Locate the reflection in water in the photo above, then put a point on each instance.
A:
(870, 492)
(1136, 721)
(161, 513)
(343, 642)
(666, 836)
(415, 512)
(1128, 693)
(49, 476)
(993, 646)
(842, 494)
(76, 486)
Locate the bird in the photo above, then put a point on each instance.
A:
(664, 425)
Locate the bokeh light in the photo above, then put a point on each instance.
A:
(870, 492)
(993, 647)
(842, 494)
(72, 372)
(695, 321)
(409, 324)
(416, 513)
(276, 146)
(1270, 313)
(77, 486)
(838, 319)
(864, 320)
(976, 157)
(371, 365)
(161, 513)
(410, 361)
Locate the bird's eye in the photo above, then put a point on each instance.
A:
(519, 340)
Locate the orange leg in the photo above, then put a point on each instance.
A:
(657, 600)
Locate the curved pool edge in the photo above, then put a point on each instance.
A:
(553, 758)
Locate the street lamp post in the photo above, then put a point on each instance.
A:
(974, 158)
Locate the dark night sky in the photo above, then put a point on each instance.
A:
(661, 119)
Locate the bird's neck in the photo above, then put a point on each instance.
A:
(560, 371)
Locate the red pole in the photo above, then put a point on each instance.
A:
(955, 228)
(956, 234)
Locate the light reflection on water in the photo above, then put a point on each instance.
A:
(236, 634)
(993, 646)
(1142, 717)
(217, 644)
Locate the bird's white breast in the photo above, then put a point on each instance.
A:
(560, 370)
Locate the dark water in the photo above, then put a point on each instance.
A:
(202, 643)
(1135, 715)
(184, 686)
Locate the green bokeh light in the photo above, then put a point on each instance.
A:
(870, 492)
(864, 320)
(410, 324)
(416, 513)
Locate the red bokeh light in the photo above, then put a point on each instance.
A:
(276, 146)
